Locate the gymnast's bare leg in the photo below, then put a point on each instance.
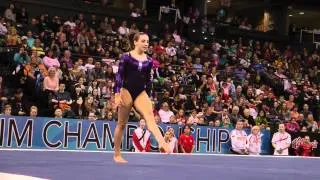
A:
(143, 104)
(124, 109)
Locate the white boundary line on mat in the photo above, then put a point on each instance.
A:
(157, 153)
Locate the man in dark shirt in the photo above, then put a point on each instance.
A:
(62, 99)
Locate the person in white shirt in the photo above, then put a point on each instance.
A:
(193, 119)
(281, 141)
(89, 65)
(238, 139)
(170, 50)
(3, 28)
(253, 145)
(123, 29)
(141, 138)
(165, 113)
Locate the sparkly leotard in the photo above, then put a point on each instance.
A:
(133, 75)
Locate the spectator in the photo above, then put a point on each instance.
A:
(292, 126)
(281, 141)
(50, 60)
(141, 138)
(248, 118)
(123, 30)
(186, 141)
(10, 14)
(21, 58)
(253, 145)
(238, 139)
(165, 113)
(51, 82)
(312, 125)
(33, 111)
(58, 113)
(7, 110)
(305, 148)
(3, 28)
(92, 116)
(193, 119)
(18, 103)
(262, 120)
(13, 39)
(171, 140)
(62, 99)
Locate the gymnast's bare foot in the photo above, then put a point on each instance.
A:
(164, 147)
(119, 159)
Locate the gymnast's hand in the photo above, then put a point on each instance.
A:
(117, 100)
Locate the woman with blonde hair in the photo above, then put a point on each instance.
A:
(253, 144)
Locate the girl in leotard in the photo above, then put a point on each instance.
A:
(133, 82)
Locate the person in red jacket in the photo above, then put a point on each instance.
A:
(305, 148)
(141, 138)
(186, 141)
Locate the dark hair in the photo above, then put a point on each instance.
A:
(186, 126)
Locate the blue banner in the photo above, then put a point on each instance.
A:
(75, 134)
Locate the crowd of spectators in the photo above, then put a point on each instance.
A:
(66, 68)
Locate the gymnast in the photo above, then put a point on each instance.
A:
(132, 83)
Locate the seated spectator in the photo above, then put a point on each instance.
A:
(51, 82)
(306, 148)
(186, 141)
(13, 39)
(110, 116)
(312, 125)
(62, 99)
(193, 119)
(38, 48)
(292, 126)
(18, 103)
(181, 117)
(141, 138)
(262, 120)
(224, 117)
(6, 111)
(135, 13)
(66, 59)
(170, 138)
(217, 123)
(3, 28)
(58, 113)
(22, 57)
(33, 112)
(247, 117)
(76, 73)
(173, 120)
(123, 30)
(238, 139)
(235, 116)
(50, 60)
(92, 116)
(165, 113)
(30, 40)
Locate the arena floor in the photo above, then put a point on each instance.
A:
(75, 165)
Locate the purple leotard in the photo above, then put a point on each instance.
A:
(133, 75)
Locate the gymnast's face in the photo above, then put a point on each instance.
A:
(142, 43)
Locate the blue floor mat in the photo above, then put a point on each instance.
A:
(62, 165)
